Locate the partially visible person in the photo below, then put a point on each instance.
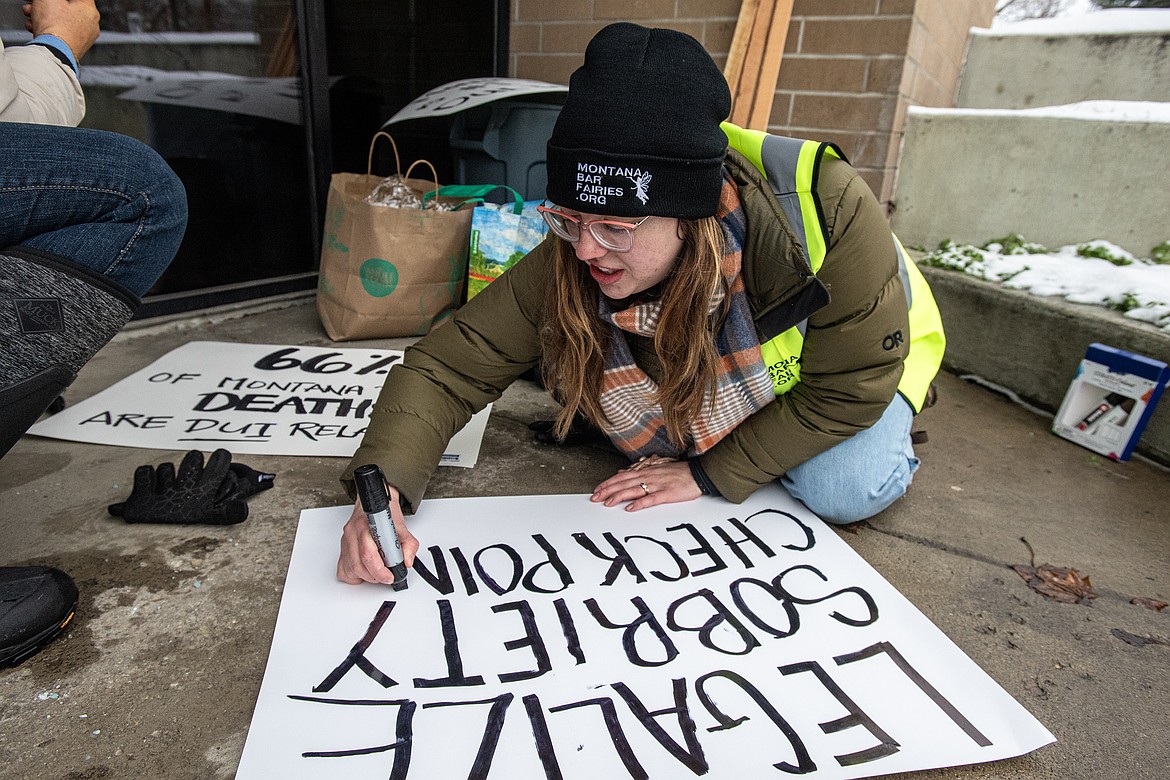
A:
(38, 81)
(729, 307)
(89, 220)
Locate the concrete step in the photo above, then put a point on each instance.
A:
(1057, 176)
(1032, 345)
(1107, 55)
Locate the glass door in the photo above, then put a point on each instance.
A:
(254, 103)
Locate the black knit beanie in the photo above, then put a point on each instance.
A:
(639, 132)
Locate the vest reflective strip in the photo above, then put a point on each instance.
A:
(780, 157)
(790, 165)
(792, 161)
(904, 263)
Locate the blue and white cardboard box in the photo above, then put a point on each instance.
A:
(1110, 400)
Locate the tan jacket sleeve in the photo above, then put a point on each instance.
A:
(450, 374)
(848, 375)
(38, 88)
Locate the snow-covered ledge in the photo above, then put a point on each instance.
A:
(1032, 344)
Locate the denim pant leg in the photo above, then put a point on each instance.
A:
(100, 199)
(862, 475)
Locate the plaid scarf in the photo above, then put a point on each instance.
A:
(634, 419)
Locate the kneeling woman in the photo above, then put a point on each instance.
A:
(675, 307)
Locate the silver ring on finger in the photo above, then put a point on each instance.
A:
(644, 488)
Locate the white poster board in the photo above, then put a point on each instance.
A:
(269, 98)
(264, 399)
(549, 637)
(456, 96)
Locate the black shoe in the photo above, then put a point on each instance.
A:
(580, 432)
(36, 603)
(931, 397)
(920, 437)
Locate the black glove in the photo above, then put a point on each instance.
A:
(242, 482)
(581, 431)
(213, 495)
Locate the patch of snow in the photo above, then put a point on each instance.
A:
(1138, 287)
(1100, 110)
(1119, 21)
(1109, 110)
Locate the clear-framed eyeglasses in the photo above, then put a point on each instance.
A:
(614, 234)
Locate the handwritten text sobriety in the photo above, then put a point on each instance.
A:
(522, 598)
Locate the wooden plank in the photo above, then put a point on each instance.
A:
(753, 63)
(739, 44)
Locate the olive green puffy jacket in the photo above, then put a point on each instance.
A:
(847, 377)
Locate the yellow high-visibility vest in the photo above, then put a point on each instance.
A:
(791, 166)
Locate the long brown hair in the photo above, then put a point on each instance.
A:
(575, 339)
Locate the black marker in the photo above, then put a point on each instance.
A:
(371, 490)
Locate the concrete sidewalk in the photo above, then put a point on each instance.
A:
(158, 673)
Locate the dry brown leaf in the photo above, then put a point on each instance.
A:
(1054, 582)
(1149, 603)
(1058, 584)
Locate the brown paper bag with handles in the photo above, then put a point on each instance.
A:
(389, 271)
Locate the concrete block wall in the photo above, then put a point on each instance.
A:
(849, 70)
(1025, 71)
(934, 62)
(1007, 161)
(975, 175)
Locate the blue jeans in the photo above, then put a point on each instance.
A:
(103, 200)
(862, 475)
